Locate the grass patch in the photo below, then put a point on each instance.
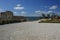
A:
(50, 21)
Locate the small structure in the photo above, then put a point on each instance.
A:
(6, 17)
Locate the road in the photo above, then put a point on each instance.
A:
(30, 31)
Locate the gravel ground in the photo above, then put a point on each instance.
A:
(30, 31)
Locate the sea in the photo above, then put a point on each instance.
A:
(32, 18)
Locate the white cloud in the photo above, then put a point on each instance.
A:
(1, 10)
(23, 13)
(39, 12)
(18, 7)
(53, 7)
(50, 12)
(15, 13)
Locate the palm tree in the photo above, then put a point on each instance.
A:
(43, 15)
(53, 15)
(48, 15)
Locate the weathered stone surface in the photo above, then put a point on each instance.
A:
(30, 31)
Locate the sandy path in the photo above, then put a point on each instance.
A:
(30, 31)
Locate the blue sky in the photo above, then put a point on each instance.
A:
(30, 7)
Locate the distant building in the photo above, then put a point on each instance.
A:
(8, 15)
